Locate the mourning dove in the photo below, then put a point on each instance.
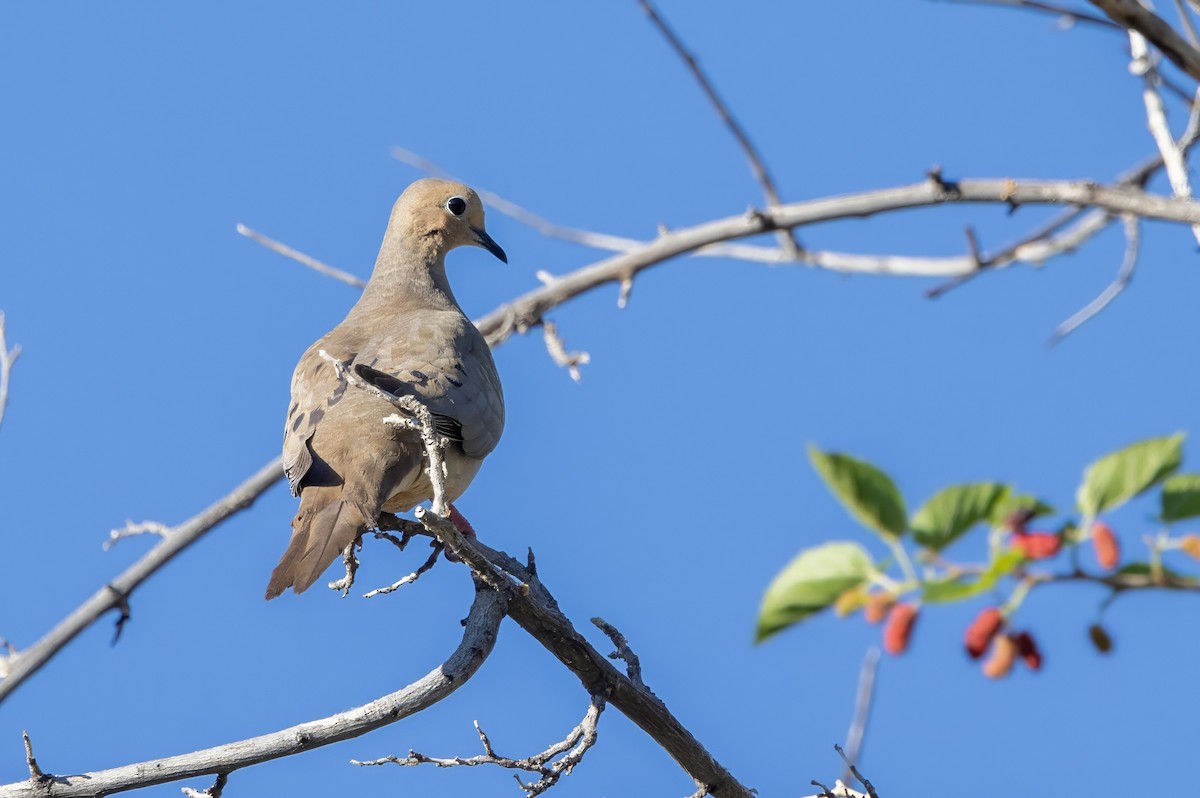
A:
(408, 336)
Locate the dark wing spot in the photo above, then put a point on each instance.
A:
(295, 406)
(419, 377)
(380, 379)
(454, 382)
(316, 416)
(297, 422)
(337, 393)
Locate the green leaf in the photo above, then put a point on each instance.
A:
(868, 493)
(947, 590)
(810, 583)
(1118, 477)
(1181, 497)
(1015, 502)
(954, 510)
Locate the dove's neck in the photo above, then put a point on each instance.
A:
(410, 273)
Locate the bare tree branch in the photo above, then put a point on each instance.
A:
(17, 667)
(1174, 159)
(528, 310)
(1060, 11)
(1036, 247)
(301, 258)
(7, 358)
(532, 606)
(1124, 275)
(862, 710)
(479, 637)
(1132, 15)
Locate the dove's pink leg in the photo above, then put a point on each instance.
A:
(462, 525)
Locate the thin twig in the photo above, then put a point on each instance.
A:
(1185, 19)
(571, 361)
(212, 792)
(431, 561)
(1062, 12)
(862, 710)
(36, 775)
(854, 772)
(514, 211)
(1124, 275)
(131, 529)
(301, 258)
(572, 750)
(633, 666)
(7, 358)
(757, 166)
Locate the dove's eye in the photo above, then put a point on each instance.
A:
(456, 205)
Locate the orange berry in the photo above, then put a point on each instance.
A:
(1106, 546)
(877, 606)
(1191, 545)
(981, 631)
(899, 627)
(1037, 545)
(849, 602)
(1027, 650)
(1004, 654)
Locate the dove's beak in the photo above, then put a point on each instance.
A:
(484, 240)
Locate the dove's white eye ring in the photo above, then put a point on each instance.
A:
(456, 206)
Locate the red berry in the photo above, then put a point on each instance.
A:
(982, 630)
(899, 627)
(1037, 545)
(1104, 542)
(1027, 650)
(1004, 654)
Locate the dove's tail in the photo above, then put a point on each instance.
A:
(325, 525)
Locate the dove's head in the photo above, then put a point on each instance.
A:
(442, 213)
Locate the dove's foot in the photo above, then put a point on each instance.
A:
(462, 525)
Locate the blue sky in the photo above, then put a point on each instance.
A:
(159, 344)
